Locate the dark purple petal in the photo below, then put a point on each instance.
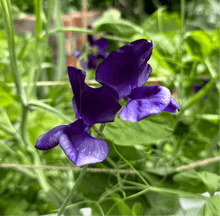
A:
(102, 54)
(101, 43)
(145, 101)
(196, 88)
(77, 77)
(122, 68)
(77, 54)
(172, 106)
(92, 62)
(77, 113)
(90, 38)
(93, 105)
(99, 106)
(144, 75)
(80, 147)
(50, 139)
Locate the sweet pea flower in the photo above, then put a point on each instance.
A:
(126, 71)
(91, 105)
(100, 53)
(122, 74)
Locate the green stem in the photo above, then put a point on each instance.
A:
(98, 131)
(9, 27)
(51, 109)
(140, 176)
(38, 27)
(182, 13)
(91, 32)
(199, 95)
(177, 192)
(49, 10)
(13, 132)
(212, 72)
(7, 148)
(60, 37)
(70, 195)
(138, 194)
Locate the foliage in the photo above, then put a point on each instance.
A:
(155, 146)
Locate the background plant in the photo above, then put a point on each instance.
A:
(186, 47)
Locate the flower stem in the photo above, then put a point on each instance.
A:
(70, 195)
(140, 176)
(87, 31)
(9, 27)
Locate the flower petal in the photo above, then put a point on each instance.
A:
(77, 54)
(84, 64)
(80, 147)
(77, 77)
(93, 105)
(122, 68)
(101, 43)
(50, 139)
(92, 62)
(98, 106)
(145, 101)
(172, 106)
(144, 75)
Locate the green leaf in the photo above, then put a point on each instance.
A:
(122, 206)
(208, 125)
(215, 39)
(210, 180)
(93, 185)
(115, 25)
(136, 209)
(211, 207)
(198, 44)
(189, 180)
(6, 97)
(197, 182)
(146, 131)
(130, 153)
(162, 20)
(162, 204)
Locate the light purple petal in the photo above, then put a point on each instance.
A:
(50, 139)
(80, 147)
(77, 113)
(145, 101)
(122, 68)
(172, 106)
(77, 54)
(93, 105)
(84, 64)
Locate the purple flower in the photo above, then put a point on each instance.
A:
(91, 105)
(101, 53)
(197, 87)
(126, 71)
(122, 74)
(78, 145)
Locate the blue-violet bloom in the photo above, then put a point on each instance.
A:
(126, 71)
(91, 105)
(101, 53)
(122, 74)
